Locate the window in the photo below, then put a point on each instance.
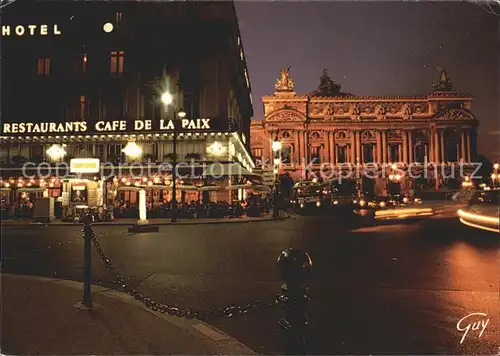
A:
(367, 153)
(82, 107)
(84, 63)
(118, 17)
(43, 66)
(116, 62)
(342, 151)
(286, 154)
(394, 153)
(257, 152)
(420, 151)
(316, 154)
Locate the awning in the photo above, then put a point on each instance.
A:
(238, 186)
(31, 190)
(130, 188)
(260, 188)
(219, 170)
(187, 187)
(208, 188)
(158, 186)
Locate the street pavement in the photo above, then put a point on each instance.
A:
(43, 316)
(388, 288)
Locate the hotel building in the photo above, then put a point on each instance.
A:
(86, 80)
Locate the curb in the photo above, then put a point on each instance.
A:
(222, 342)
(4, 224)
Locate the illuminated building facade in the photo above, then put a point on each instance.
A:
(329, 126)
(85, 79)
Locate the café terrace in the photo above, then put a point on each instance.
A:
(141, 145)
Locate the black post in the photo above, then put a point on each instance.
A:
(174, 176)
(295, 269)
(87, 267)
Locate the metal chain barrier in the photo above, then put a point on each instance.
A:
(227, 312)
(294, 268)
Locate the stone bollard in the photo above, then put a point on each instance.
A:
(295, 268)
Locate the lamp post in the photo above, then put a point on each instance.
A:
(495, 176)
(277, 159)
(276, 146)
(167, 100)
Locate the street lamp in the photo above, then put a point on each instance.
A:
(276, 146)
(495, 176)
(167, 100)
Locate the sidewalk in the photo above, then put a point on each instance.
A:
(164, 221)
(39, 317)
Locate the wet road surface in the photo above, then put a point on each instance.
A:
(387, 289)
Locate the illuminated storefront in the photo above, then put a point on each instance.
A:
(98, 99)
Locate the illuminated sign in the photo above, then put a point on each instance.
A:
(84, 165)
(71, 127)
(30, 30)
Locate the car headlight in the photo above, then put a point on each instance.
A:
(318, 203)
(301, 205)
(335, 202)
(405, 200)
(362, 203)
(355, 201)
(382, 204)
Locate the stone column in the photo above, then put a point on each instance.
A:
(410, 147)
(468, 148)
(296, 153)
(384, 147)
(400, 151)
(271, 152)
(436, 147)
(336, 159)
(462, 146)
(331, 146)
(300, 141)
(378, 157)
(441, 136)
(405, 147)
(359, 154)
(353, 147)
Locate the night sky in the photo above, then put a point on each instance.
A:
(378, 48)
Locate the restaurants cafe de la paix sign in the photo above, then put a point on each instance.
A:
(117, 126)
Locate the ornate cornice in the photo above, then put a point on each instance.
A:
(455, 114)
(285, 115)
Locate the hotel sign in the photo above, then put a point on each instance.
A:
(30, 30)
(116, 126)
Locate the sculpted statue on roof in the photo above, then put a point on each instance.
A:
(444, 82)
(284, 83)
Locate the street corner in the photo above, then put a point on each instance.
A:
(44, 320)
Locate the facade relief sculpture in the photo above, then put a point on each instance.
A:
(329, 110)
(454, 114)
(367, 135)
(285, 115)
(407, 111)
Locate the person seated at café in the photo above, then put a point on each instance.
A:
(191, 210)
